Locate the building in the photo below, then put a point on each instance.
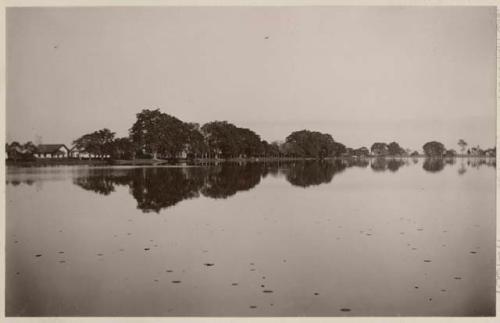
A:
(79, 153)
(52, 151)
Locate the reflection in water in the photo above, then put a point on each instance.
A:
(381, 164)
(433, 165)
(227, 179)
(157, 188)
(69, 252)
(309, 173)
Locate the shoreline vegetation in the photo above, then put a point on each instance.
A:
(199, 161)
(157, 138)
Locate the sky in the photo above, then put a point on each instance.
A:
(362, 74)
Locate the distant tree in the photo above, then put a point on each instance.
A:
(379, 149)
(450, 153)
(434, 149)
(305, 143)
(362, 152)
(123, 148)
(222, 139)
(196, 145)
(158, 133)
(414, 154)
(394, 149)
(274, 149)
(462, 145)
(98, 143)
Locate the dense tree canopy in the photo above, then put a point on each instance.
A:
(379, 149)
(98, 143)
(395, 150)
(434, 149)
(314, 144)
(158, 133)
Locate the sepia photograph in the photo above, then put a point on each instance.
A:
(250, 161)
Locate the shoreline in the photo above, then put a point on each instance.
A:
(199, 161)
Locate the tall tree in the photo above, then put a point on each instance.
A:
(463, 145)
(157, 133)
(434, 149)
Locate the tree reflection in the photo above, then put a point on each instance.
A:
(309, 173)
(227, 179)
(157, 188)
(394, 164)
(379, 164)
(433, 165)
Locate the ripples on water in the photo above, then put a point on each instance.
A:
(377, 236)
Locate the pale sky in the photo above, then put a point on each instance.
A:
(362, 74)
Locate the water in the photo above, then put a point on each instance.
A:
(337, 238)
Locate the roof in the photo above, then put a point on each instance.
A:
(49, 149)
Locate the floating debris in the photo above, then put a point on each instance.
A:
(473, 252)
(234, 284)
(416, 287)
(39, 255)
(156, 280)
(430, 299)
(62, 261)
(262, 286)
(253, 306)
(345, 309)
(427, 260)
(176, 281)
(263, 277)
(209, 264)
(146, 249)
(253, 269)
(443, 290)
(169, 271)
(61, 252)
(100, 254)
(17, 273)
(457, 278)
(267, 291)
(316, 294)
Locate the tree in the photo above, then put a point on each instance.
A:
(158, 133)
(463, 145)
(434, 149)
(379, 149)
(98, 143)
(394, 149)
(196, 145)
(123, 148)
(450, 153)
(226, 139)
(362, 152)
(305, 143)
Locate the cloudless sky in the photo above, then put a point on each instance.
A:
(362, 74)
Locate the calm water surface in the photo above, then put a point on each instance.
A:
(376, 237)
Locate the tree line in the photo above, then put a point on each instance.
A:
(158, 135)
